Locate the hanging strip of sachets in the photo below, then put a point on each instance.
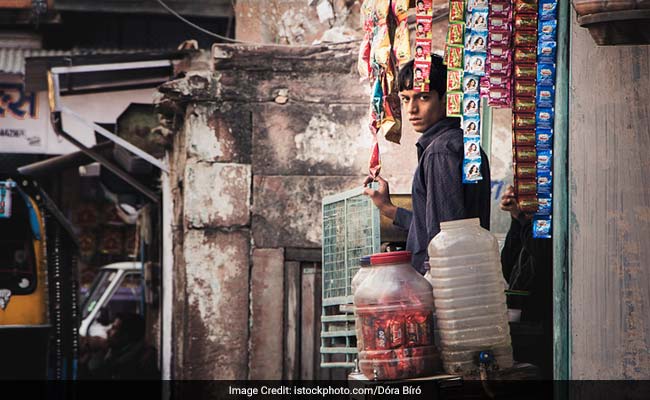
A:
(500, 53)
(523, 108)
(423, 35)
(544, 115)
(474, 60)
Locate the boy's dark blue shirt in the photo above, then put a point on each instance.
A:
(438, 193)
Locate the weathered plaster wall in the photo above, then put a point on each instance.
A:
(609, 209)
(297, 21)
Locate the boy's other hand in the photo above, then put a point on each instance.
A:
(509, 203)
(380, 196)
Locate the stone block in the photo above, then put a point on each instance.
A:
(217, 195)
(311, 139)
(217, 272)
(267, 297)
(218, 133)
(287, 209)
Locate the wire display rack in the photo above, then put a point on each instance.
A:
(351, 230)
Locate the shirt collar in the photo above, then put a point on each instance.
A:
(427, 137)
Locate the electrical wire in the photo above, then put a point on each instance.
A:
(227, 39)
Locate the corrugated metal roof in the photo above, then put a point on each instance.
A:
(12, 60)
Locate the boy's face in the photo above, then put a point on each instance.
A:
(423, 108)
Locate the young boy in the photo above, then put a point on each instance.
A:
(438, 193)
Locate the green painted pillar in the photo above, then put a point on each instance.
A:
(561, 259)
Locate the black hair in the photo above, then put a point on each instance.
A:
(437, 76)
(133, 326)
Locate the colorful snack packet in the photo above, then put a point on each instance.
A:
(477, 21)
(499, 53)
(542, 227)
(363, 62)
(381, 10)
(547, 10)
(525, 38)
(527, 204)
(475, 63)
(456, 33)
(502, 22)
(477, 5)
(547, 30)
(423, 27)
(499, 97)
(381, 47)
(545, 204)
(525, 171)
(526, 187)
(402, 43)
(524, 137)
(544, 117)
(499, 67)
(454, 104)
(476, 41)
(454, 79)
(374, 164)
(525, 154)
(471, 84)
(526, 6)
(525, 88)
(471, 104)
(544, 138)
(455, 56)
(525, 72)
(391, 124)
(524, 104)
(500, 38)
(500, 81)
(526, 21)
(400, 10)
(500, 8)
(472, 170)
(367, 12)
(544, 181)
(376, 100)
(421, 71)
(422, 49)
(544, 160)
(546, 75)
(524, 121)
(472, 147)
(525, 55)
(456, 11)
(546, 51)
(471, 126)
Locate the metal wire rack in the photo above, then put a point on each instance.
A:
(351, 230)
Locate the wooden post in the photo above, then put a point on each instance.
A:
(292, 294)
(308, 345)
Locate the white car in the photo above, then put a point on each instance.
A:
(105, 288)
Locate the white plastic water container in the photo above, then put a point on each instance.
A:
(468, 291)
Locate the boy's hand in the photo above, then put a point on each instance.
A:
(381, 197)
(509, 203)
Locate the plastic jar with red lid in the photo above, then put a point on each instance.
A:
(394, 309)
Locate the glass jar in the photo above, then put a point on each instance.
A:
(394, 309)
(468, 289)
